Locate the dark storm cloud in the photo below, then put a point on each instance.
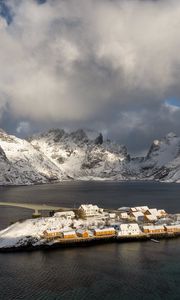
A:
(108, 65)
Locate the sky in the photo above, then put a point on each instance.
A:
(107, 65)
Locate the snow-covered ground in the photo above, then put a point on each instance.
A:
(32, 230)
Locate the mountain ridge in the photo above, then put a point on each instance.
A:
(57, 155)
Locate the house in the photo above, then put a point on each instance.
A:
(133, 209)
(69, 234)
(177, 217)
(142, 208)
(82, 233)
(128, 229)
(150, 218)
(112, 215)
(104, 232)
(124, 215)
(151, 211)
(161, 213)
(65, 214)
(137, 215)
(172, 228)
(89, 210)
(153, 229)
(51, 233)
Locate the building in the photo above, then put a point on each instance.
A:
(69, 234)
(89, 210)
(151, 211)
(177, 217)
(133, 209)
(51, 233)
(139, 208)
(124, 215)
(161, 213)
(129, 229)
(104, 232)
(65, 214)
(142, 208)
(150, 218)
(137, 215)
(111, 215)
(82, 233)
(153, 229)
(172, 228)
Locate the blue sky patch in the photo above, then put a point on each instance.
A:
(5, 12)
(173, 101)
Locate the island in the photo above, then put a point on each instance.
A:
(89, 225)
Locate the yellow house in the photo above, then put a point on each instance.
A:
(104, 232)
(82, 233)
(69, 234)
(153, 229)
(51, 233)
(172, 228)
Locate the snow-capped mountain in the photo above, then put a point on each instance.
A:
(21, 163)
(83, 155)
(163, 159)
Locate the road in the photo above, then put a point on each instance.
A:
(35, 207)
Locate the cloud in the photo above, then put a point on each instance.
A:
(110, 64)
(23, 127)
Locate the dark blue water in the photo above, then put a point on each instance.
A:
(140, 270)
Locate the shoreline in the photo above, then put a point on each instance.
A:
(86, 242)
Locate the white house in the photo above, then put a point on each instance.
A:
(65, 214)
(124, 215)
(150, 218)
(161, 213)
(89, 210)
(152, 211)
(129, 229)
(112, 215)
(137, 215)
(142, 208)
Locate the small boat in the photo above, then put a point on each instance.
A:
(155, 241)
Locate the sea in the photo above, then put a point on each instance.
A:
(134, 270)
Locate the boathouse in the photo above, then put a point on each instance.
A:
(69, 234)
(82, 233)
(172, 228)
(104, 231)
(153, 229)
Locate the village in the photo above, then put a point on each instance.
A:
(89, 222)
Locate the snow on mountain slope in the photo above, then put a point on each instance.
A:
(164, 151)
(163, 159)
(81, 154)
(23, 164)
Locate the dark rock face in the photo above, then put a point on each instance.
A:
(3, 155)
(99, 140)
